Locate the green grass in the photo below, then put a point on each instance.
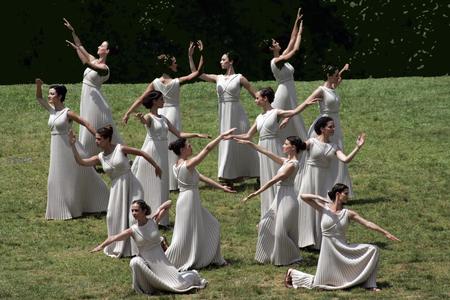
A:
(401, 181)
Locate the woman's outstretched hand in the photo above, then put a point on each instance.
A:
(67, 24)
(227, 189)
(392, 237)
(361, 140)
(96, 249)
(248, 197)
(72, 137)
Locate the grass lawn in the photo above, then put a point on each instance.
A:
(401, 181)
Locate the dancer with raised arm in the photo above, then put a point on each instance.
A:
(93, 105)
(329, 106)
(283, 71)
(71, 189)
(170, 88)
(235, 162)
(317, 178)
(341, 265)
(196, 235)
(152, 271)
(156, 190)
(278, 229)
(268, 125)
(124, 186)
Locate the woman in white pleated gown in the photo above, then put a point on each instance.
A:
(196, 234)
(93, 105)
(235, 162)
(268, 126)
(283, 71)
(317, 178)
(329, 106)
(170, 88)
(278, 230)
(151, 270)
(156, 190)
(72, 189)
(124, 186)
(341, 265)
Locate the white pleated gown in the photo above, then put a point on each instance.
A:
(95, 109)
(316, 180)
(156, 190)
(125, 188)
(72, 189)
(278, 230)
(286, 99)
(196, 234)
(171, 110)
(152, 272)
(329, 106)
(268, 128)
(235, 161)
(341, 265)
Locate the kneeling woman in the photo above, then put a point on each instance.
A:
(341, 265)
(196, 234)
(151, 269)
(124, 185)
(278, 228)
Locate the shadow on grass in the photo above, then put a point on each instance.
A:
(367, 201)
(96, 215)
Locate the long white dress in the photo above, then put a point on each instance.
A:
(286, 98)
(152, 271)
(95, 109)
(268, 128)
(71, 189)
(329, 106)
(278, 229)
(125, 188)
(171, 110)
(156, 190)
(317, 180)
(341, 265)
(196, 234)
(235, 161)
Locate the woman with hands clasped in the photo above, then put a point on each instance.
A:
(170, 88)
(156, 190)
(93, 105)
(278, 229)
(341, 265)
(71, 189)
(316, 177)
(151, 270)
(235, 162)
(268, 125)
(124, 186)
(196, 234)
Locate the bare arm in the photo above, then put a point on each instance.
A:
(137, 102)
(275, 158)
(289, 54)
(203, 76)
(76, 40)
(294, 32)
(73, 116)
(186, 135)
(215, 184)
(357, 218)
(87, 162)
(246, 84)
(134, 151)
(195, 73)
(345, 68)
(348, 158)
(313, 98)
(243, 136)
(101, 68)
(285, 173)
(315, 201)
(162, 210)
(111, 239)
(39, 98)
(197, 159)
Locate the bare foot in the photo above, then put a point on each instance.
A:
(374, 289)
(288, 279)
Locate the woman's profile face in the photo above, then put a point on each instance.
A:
(275, 45)
(136, 211)
(287, 146)
(173, 67)
(225, 62)
(260, 100)
(101, 141)
(103, 48)
(328, 130)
